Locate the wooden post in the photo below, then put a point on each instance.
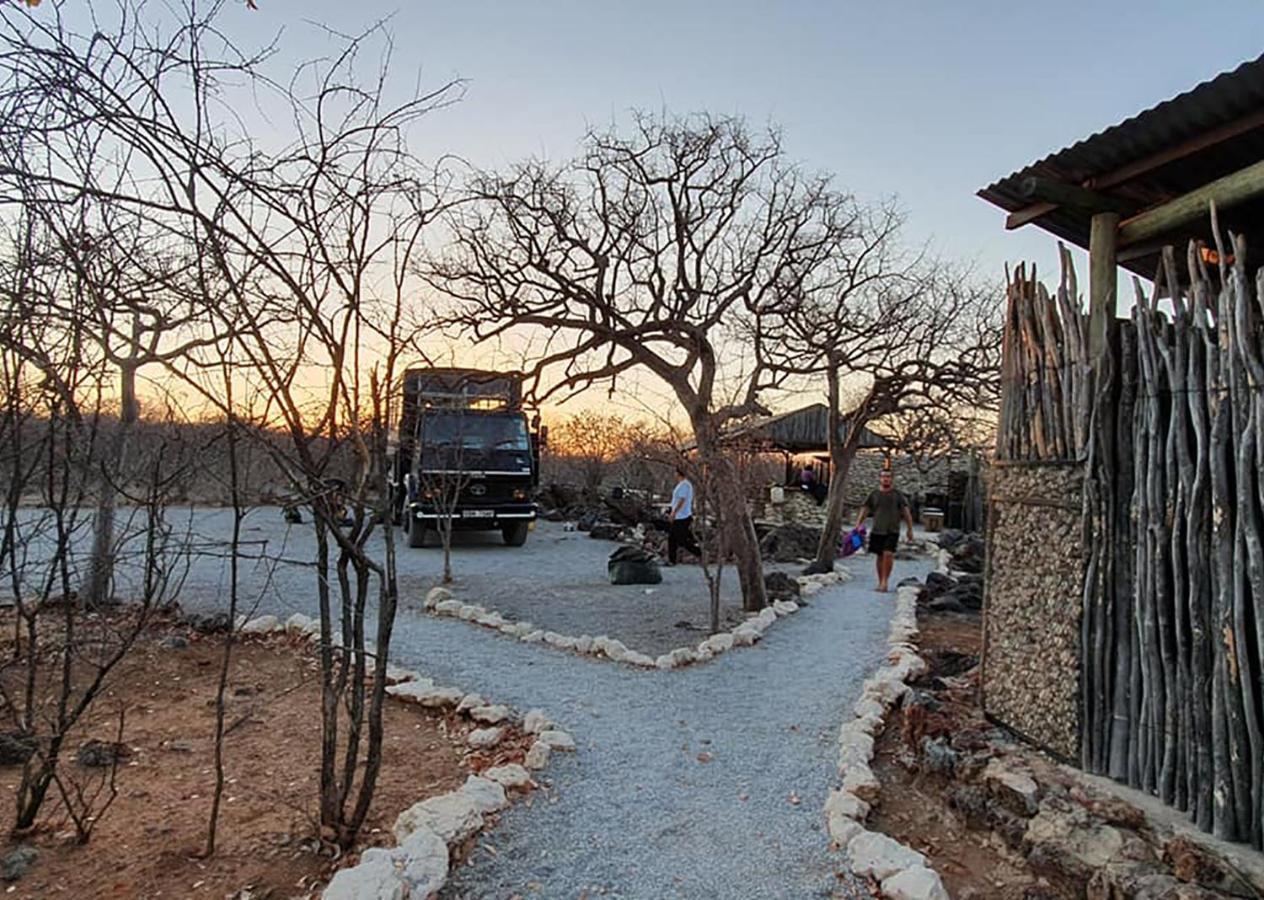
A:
(1103, 278)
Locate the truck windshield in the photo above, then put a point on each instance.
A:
(472, 431)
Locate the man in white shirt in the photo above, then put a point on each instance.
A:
(680, 532)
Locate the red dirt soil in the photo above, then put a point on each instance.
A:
(148, 843)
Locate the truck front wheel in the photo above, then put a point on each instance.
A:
(516, 534)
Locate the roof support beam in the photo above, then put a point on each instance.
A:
(1060, 193)
(1186, 209)
(1146, 164)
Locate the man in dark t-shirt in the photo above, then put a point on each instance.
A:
(887, 506)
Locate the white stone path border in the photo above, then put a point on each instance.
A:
(418, 864)
(903, 872)
(439, 602)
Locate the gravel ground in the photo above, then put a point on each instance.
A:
(635, 813)
(557, 580)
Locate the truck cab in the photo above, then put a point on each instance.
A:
(467, 457)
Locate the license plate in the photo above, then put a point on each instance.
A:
(478, 513)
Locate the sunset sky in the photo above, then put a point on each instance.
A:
(928, 101)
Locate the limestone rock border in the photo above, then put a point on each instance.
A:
(440, 602)
(903, 873)
(419, 863)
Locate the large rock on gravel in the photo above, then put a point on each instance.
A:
(784, 607)
(453, 817)
(485, 738)
(490, 715)
(916, 883)
(538, 756)
(790, 542)
(605, 531)
(422, 862)
(411, 691)
(781, 586)
(298, 624)
(488, 795)
(510, 775)
(556, 740)
(633, 565)
(435, 596)
(880, 856)
(262, 625)
(535, 721)
(373, 878)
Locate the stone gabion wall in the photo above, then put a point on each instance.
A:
(1033, 603)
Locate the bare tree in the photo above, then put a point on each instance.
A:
(297, 257)
(894, 335)
(592, 442)
(442, 479)
(643, 253)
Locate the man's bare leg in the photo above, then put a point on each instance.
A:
(885, 564)
(877, 565)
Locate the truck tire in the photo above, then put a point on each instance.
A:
(516, 534)
(417, 532)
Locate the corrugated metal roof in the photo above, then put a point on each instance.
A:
(804, 430)
(1225, 99)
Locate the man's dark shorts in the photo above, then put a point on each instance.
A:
(883, 543)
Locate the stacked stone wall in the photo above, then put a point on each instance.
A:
(1033, 603)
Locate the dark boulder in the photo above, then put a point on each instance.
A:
(16, 747)
(938, 584)
(101, 754)
(780, 586)
(633, 565)
(17, 863)
(209, 623)
(945, 604)
(606, 531)
(790, 542)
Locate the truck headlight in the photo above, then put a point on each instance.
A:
(519, 494)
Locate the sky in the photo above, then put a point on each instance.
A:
(926, 101)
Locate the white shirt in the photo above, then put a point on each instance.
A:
(683, 494)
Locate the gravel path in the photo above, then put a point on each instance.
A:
(635, 813)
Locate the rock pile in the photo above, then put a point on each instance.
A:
(965, 551)
(791, 542)
(902, 872)
(418, 865)
(440, 602)
(947, 593)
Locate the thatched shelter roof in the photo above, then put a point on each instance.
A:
(804, 430)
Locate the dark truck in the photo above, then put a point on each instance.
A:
(466, 450)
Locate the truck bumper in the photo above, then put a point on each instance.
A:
(480, 518)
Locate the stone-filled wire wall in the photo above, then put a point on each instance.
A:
(1033, 601)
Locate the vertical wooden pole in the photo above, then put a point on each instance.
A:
(1103, 277)
(1100, 483)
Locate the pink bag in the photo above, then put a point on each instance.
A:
(852, 541)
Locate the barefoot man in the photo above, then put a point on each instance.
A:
(887, 506)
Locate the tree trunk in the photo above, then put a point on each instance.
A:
(736, 524)
(842, 451)
(101, 565)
